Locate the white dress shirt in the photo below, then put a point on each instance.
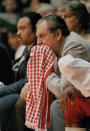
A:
(77, 72)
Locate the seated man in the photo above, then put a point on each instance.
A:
(53, 32)
(39, 66)
(9, 94)
(38, 69)
(78, 47)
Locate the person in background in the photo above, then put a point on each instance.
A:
(12, 40)
(33, 4)
(45, 9)
(10, 14)
(18, 48)
(59, 3)
(76, 17)
(11, 6)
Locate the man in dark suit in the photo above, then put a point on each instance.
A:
(27, 36)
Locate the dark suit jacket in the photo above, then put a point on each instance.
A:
(20, 79)
(6, 75)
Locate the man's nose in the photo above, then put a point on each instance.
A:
(18, 32)
(39, 42)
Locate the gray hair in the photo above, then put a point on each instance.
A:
(56, 2)
(54, 23)
(45, 8)
(80, 11)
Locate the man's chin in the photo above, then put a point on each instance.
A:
(20, 42)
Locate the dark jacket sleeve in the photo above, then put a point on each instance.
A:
(6, 73)
(13, 88)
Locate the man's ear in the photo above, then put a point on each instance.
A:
(58, 34)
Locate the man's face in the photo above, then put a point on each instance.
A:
(10, 5)
(70, 19)
(24, 33)
(45, 37)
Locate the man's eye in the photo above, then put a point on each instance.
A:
(69, 16)
(41, 36)
(66, 16)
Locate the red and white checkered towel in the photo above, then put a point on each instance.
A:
(40, 65)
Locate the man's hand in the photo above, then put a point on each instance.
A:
(70, 92)
(1, 84)
(23, 93)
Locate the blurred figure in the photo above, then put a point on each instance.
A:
(58, 3)
(86, 2)
(76, 17)
(13, 42)
(45, 9)
(11, 9)
(88, 5)
(34, 3)
(0, 5)
(10, 6)
(18, 48)
(12, 38)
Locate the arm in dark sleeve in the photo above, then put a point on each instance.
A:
(5, 66)
(13, 88)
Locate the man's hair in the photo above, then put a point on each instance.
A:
(54, 23)
(33, 17)
(80, 11)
